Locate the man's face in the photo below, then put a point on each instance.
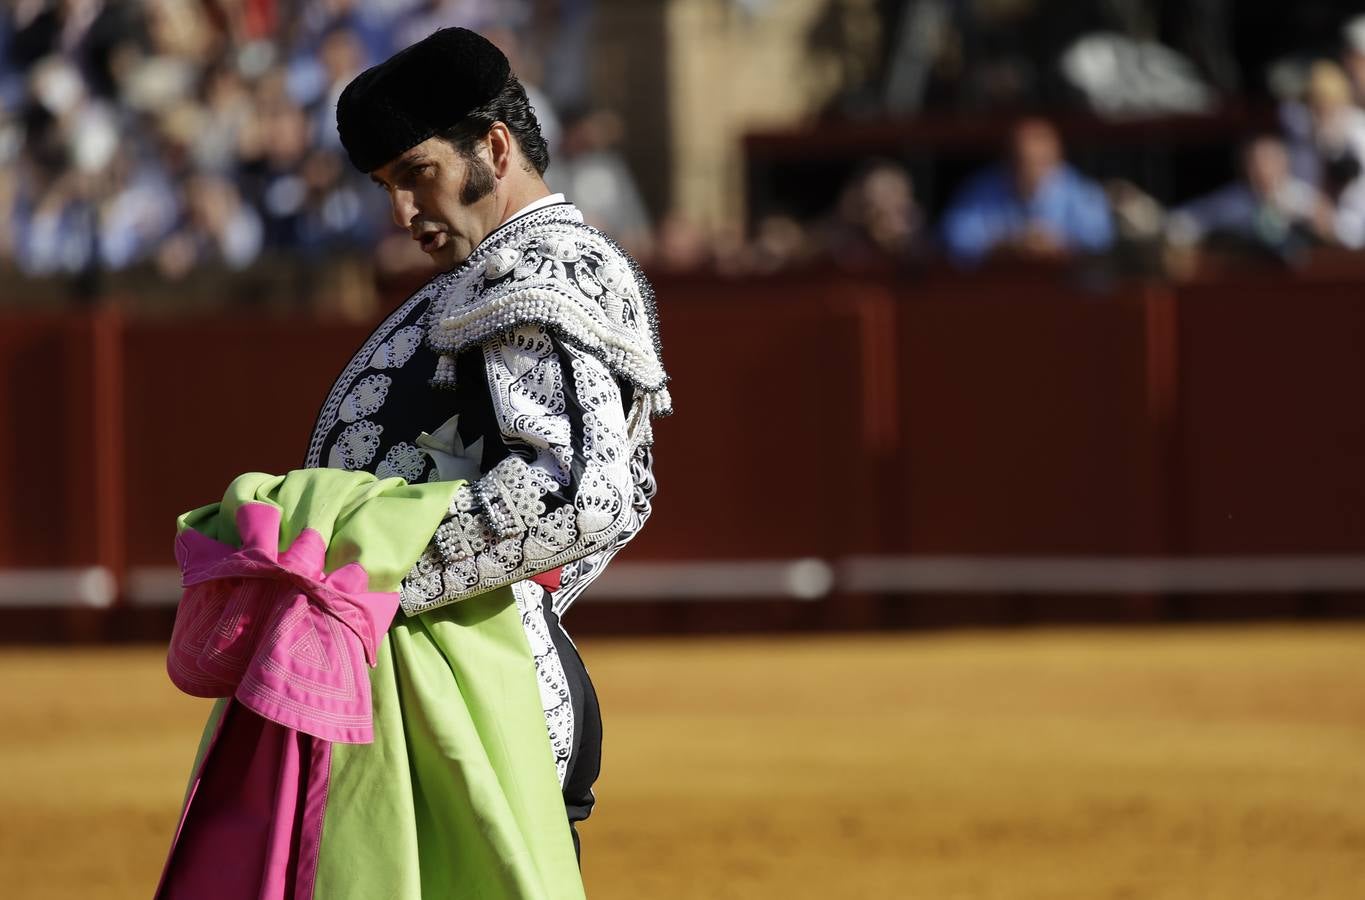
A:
(1267, 166)
(1035, 153)
(445, 201)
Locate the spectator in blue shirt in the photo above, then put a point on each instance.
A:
(1032, 206)
(1267, 207)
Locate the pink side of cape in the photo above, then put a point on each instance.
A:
(252, 825)
(274, 631)
(288, 644)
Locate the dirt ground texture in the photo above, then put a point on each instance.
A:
(1088, 764)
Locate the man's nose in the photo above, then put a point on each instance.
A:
(403, 207)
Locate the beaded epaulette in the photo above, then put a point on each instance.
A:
(549, 268)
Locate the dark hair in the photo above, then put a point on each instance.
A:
(513, 109)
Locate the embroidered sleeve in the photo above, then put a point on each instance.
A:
(564, 489)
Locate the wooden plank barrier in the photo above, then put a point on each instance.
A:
(778, 397)
(208, 399)
(50, 454)
(1026, 421)
(1271, 421)
(852, 440)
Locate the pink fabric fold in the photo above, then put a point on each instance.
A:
(271, 629)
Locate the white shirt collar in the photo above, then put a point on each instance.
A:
(531, 207)
(535, 205)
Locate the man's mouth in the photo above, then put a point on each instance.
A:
(432, 240)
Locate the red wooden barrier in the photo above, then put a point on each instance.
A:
(776, 385)
(817, 416)
(208, 399)
(1027, 425)
(1272, 432)
(55, 438)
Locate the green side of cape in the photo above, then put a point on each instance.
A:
(381, 523)
(458, 795)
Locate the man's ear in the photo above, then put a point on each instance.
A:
(501, 147)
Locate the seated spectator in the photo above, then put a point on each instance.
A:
(1033, 206)
(217, 229)
(876, 222)
(1267, 209)
(780, 242)
(140, 212)
(57, 233)
(1326, 132)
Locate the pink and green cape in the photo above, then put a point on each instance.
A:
(353, 755)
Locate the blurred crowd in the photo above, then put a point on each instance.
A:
(1111, 56)
(169, 137)
(1297, 186)
(165, 139)
(1296, 190)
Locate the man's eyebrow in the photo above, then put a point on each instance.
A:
(407, 165)
(402, 167)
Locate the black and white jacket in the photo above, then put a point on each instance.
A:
(532, 371)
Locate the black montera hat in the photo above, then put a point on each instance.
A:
(417, 92)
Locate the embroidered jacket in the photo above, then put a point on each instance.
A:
(533, 371)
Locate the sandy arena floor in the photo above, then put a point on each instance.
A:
(1068, 765)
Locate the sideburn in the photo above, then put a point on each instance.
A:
(478, 181)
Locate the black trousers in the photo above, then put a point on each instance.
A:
(585, 755)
